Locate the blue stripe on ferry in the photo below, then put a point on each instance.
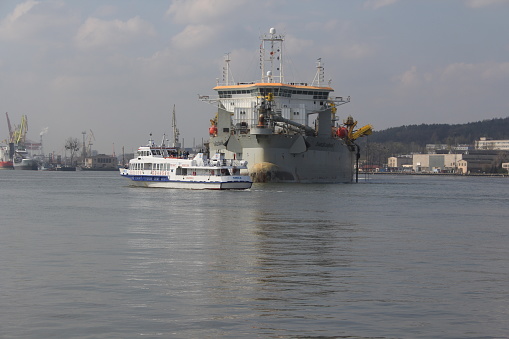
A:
(148, 178)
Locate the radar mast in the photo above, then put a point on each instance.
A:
(271, 57)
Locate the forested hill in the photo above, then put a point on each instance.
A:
(443, 133)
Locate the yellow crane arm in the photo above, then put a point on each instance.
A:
(363, 131)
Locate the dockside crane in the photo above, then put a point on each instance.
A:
(90, 137)
(9, 126)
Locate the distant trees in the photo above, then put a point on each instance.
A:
(73, 146)
(413, 138)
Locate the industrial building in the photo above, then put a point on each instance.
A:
(490, 144)
(488, 156)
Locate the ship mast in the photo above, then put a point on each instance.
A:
(176, 132)
(227, 74)
(271, 57)
(319, 76)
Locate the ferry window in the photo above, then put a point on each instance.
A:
(226, 130)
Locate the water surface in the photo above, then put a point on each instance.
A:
(83, 255)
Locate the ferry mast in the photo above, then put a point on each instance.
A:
(175, 130)
(271, 57)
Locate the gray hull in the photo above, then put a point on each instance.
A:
(26, 164)
(291, 158)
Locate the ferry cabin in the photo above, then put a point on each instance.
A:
(166, 162)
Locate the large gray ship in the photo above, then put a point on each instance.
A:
(287, 132)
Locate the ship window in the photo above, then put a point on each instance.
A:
(226, 130)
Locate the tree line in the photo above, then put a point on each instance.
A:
(414, 138)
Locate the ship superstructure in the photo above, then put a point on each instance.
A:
(288, 132)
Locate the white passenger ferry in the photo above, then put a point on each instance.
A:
(167, 167)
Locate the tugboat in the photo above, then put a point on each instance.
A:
(287, 132)
(5, 158)
(22, 161)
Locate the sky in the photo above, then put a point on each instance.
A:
(116, 68)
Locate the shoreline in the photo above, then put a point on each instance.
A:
(498, 175)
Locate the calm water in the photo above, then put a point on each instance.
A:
(83, 255)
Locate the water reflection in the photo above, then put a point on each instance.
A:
(237, 255)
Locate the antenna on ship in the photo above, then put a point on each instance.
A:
(320, 74)
(176, 132)
(271, 57)
(227, 74)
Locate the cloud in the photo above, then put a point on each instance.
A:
(457, 73)
(199, 11)
(356, 51)
(485, 72)
(13, 26)
(97, 33)
(376, 4)
(485, 3)
(194, 36)
(409, 78)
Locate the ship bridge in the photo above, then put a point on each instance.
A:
(292, 101)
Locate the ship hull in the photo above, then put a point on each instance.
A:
(292, 158)
(6, 165)
(165, 182)
(26, 164)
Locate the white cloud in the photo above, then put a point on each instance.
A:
(199, 11)
(13, 26)
(376, 4)
(96, 33)
(409, 78)
(38, 23)
(356, 51)
(485, 72)
(194, 36)
(484, 3)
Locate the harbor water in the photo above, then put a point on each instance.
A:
(84, 255)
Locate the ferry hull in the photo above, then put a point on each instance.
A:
(292, 158)
(165, 182)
